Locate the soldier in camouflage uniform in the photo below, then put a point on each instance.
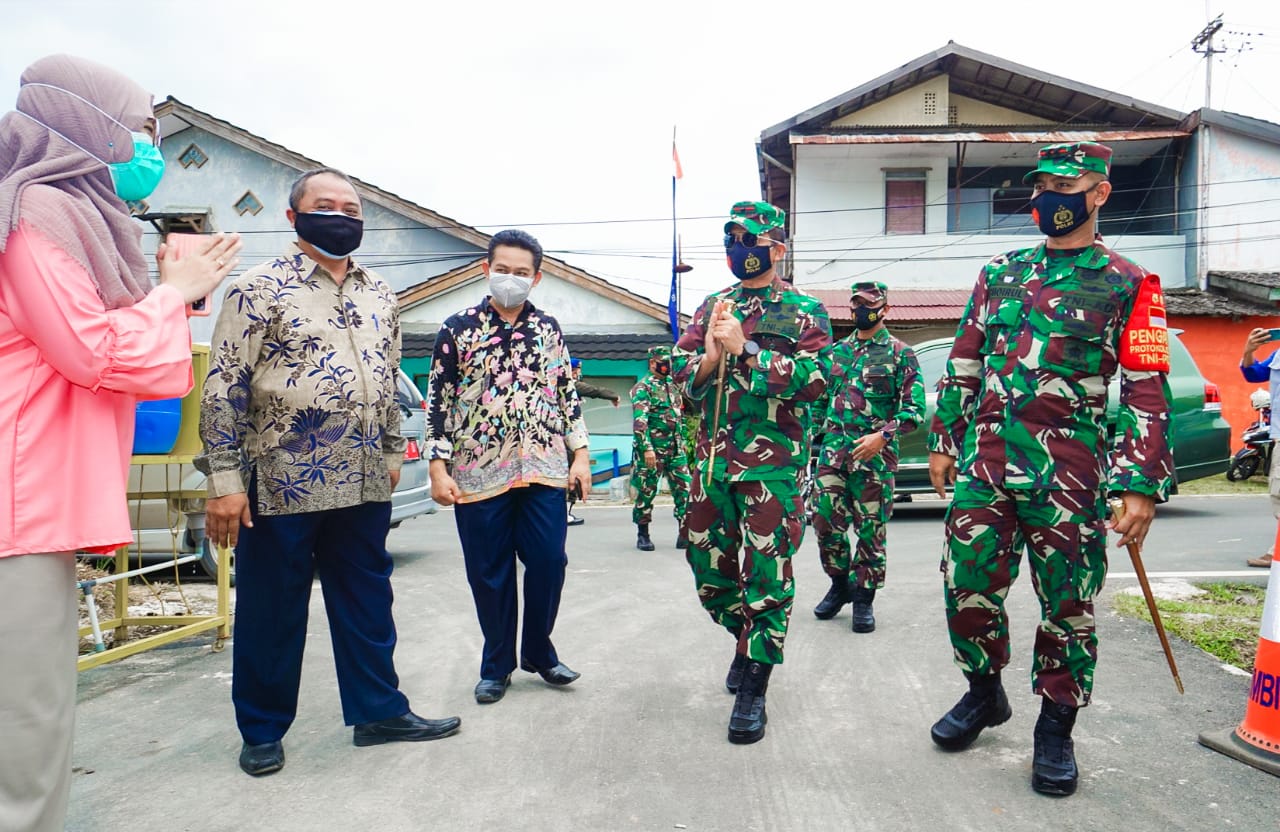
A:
(874, 395)
(657, 404)
(746, 512)
(1021, 416)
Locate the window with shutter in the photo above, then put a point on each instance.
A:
(904, 203)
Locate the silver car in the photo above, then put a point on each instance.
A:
(169, 519)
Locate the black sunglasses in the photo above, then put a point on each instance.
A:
(748, 239)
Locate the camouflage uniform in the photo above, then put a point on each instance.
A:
(659, 412)
(874, 386)
(1022, 409)
(745, 525)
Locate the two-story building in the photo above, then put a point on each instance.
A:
(915, 178)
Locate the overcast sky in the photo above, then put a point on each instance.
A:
(557, 116)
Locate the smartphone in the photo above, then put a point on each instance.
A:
(1274, 333)
(183, 245)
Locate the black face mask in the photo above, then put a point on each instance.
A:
(662, 368)
(1059, 214)
(747, 262)
(865, 318)
(334, 235)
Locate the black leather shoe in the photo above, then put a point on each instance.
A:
(406, 728)
(682, 542)
(558, 675)
(258, 760)
(491, 690)
(835, 599)
(643, 542)
(1053, 765)
(984, 705)
(733, 680)
(864, 620)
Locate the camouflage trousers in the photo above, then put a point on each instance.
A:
(987, 528)
(863, 498)
(742, 536)
(671, 463)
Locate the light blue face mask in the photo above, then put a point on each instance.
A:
(138, 177)
(132, 180)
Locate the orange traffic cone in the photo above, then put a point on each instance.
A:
(1256, 740)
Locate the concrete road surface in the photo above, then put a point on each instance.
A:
(639, 741)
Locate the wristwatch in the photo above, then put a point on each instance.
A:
(887, 434)
(749, 349)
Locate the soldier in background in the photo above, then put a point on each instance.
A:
(1021, 415)
(746, 512)
(659, 447)
(874, 395)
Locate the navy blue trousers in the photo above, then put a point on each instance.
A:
(528, 523)
(276, 561)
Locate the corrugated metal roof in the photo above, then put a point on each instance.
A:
(909, 305)
(1193, 302)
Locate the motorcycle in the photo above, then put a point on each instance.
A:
(1256, 453)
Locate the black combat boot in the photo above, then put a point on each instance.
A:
(834, 600)
(733, 680)
(747, 721)
(643, 543)
(1053, 766)
(985, 705)
(863, 619)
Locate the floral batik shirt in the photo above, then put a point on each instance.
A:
(301, 390)
(502, 407)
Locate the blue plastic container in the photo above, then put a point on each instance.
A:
(155, 426)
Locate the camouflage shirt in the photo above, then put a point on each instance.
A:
(1023, 401)
(874, 385)
(762, 432)
(658, 408)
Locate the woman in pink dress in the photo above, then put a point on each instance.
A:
(83, 337)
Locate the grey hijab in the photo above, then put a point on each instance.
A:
(60, 190)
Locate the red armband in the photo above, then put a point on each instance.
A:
(1145, 342)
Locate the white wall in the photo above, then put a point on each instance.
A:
(576, 309)
(1243, 217)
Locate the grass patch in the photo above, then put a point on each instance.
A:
(1219, 484)
(1223, 622)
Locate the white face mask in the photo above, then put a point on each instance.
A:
(509, 290)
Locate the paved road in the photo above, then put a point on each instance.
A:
(639, 741)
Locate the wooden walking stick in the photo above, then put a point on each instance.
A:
(726, 307)
(1117, 511)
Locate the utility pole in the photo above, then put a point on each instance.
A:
(1203, 44)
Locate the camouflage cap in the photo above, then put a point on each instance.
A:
(659, 353)
(756, 217)
(1073, 159)
(871, 291)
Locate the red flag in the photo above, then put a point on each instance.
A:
(675, 157)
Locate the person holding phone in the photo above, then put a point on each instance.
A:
(506, 438)
(83, 336)
(1256, 372)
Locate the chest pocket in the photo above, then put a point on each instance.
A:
(1078, 332)
(777, 327)
(1006, 311)
(877, 382)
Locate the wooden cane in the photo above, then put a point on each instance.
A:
(725, 306)
(1117, 511)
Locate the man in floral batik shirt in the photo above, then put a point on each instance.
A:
(302, 448)
(505, 420)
